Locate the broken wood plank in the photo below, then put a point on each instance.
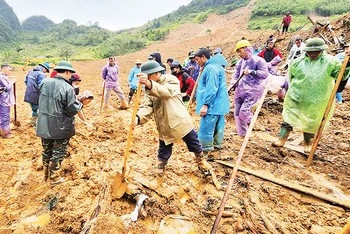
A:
(313, 29)
(296, 187)
(335, 38)
(269, 225)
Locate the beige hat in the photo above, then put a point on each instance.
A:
(138, 61)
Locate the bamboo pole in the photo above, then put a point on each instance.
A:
(238, 161)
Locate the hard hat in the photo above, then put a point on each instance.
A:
(242, 43)
(151, 67)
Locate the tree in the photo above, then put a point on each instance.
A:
(66, 52)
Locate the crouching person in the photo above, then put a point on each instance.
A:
(57, 107)
(163, 100)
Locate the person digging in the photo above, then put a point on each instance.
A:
(311, 83)
(163, 99)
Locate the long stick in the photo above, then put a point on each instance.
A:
(236, 83)
(128, 144)
(15, 105)
(238, 161)
(194, 91)
(86, 123)
(328, 108)
(103, 96)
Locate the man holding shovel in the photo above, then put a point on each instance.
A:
(57, 107)
(311, 83)
(163, 100)
(7, 99)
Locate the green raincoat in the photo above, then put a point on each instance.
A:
(311, 85)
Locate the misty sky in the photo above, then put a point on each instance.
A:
(110, 14)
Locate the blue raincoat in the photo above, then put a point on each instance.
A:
(133, 80)
(212, 91)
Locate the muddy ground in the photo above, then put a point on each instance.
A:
(186, 200)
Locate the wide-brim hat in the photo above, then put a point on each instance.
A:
(151, 67)
(192, 55)
(138, 61)
(315, 44)
(64, 65)
(46, 65)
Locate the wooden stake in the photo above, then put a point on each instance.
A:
(238, 161)
(328, 109)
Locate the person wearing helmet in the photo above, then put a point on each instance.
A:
(110, 75)
(57, 107)
(212, 101)
(163, 101)
(287, 19)
(192, 68)
(33, 80)
(133, 80)
(158, 58)
(311, 83)
(186, 82)
(253, 71)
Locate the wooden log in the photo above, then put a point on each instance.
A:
(313, 30)
(335, 38)
(296, 187)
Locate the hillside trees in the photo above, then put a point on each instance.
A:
(37, 23)
(298, 7)
(9, 25)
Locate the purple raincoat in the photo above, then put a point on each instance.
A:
(111, 75)
(249, 89)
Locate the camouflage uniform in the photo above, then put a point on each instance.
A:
(53, 155)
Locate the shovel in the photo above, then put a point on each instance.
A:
(16, 123)
(120, 184)
(103, 96)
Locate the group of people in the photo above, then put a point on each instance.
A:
(311, 78)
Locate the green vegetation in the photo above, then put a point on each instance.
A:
(298, 7)
(38, 36)
(37, 23)
(9, 25)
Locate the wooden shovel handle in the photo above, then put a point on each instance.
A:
(133, 117)
(15, 106)
(103, 96)
(328, 108)
(194, 91)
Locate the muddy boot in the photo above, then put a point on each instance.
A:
(203, 165)
(55, 173)
(46, 170)
(33, 121)
(160, 172)
(308, 141)
(282, 138)
(124, 105)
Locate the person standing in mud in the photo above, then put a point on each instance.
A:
(32, 81)
(57, 107)
(311, 83)
(212, 100)
(287, 19)
(133, 80)
(163, 100)
(110, 74)
(249, 89)
(7, 99)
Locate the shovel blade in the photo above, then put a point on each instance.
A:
(119, 186)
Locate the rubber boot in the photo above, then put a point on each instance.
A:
(308, 141)
(33, 121)
(55, 173)
(282, 138)
(160, 173)
(203, 165)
